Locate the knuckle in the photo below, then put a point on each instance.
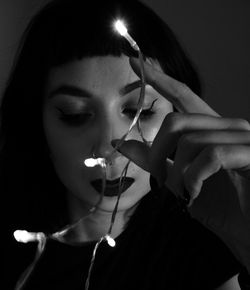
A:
(173, 121)
(215, 154)
(186, 140)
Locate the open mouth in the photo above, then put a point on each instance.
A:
(112, 186)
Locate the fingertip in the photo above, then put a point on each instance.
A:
(188, 198)
(193, 196)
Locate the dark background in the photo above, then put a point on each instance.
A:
(215, 33)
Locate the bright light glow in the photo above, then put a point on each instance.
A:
(92, 162)
(110, 240)
(24, 236)
(120, 27)
(122, 30)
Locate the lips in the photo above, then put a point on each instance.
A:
(112, 186)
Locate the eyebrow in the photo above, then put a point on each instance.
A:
(71, 91)
(130, 87)
(82, 93)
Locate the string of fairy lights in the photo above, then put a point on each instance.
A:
(41, 238)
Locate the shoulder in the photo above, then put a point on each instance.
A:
(231, 284)
(198, 253)
(210, 261)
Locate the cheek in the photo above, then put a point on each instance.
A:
(66, 150)
(67, 154)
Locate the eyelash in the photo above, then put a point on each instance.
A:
(74, 119)
(82, 118)
(145, 114)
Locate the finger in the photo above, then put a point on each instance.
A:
(140, 153)
(177, 124)
(136, 151)
(211, 160)
(182, 97)
(191, 144)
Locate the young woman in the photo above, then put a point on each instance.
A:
(72, 96)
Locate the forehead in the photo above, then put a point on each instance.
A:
(94, 73)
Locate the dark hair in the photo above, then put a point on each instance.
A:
(62, 31)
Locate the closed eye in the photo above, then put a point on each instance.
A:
(145, 113)
(76, 119)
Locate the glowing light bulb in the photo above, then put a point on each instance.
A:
(23, 236)
(110, 241)
(92, 162)
(120, 27)
(122, 30)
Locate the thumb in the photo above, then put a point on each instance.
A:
(139, 153)
(136, 151)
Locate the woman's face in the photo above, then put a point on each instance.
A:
(88, 103)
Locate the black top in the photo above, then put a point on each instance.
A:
(162, 247)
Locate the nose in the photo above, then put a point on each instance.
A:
(105, 150)
(110, 128)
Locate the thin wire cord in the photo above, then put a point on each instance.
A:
(58, 236)
(139, 104)
(145, 141)
(26, 274)
(124, 172)
(92, 262)
(121, 183)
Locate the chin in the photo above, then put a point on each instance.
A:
(128, 200)
(85, 196)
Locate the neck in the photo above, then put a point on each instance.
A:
(96, 224)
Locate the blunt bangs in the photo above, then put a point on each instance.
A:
(68, 30)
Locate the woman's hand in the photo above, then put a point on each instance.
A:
(205, 145)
